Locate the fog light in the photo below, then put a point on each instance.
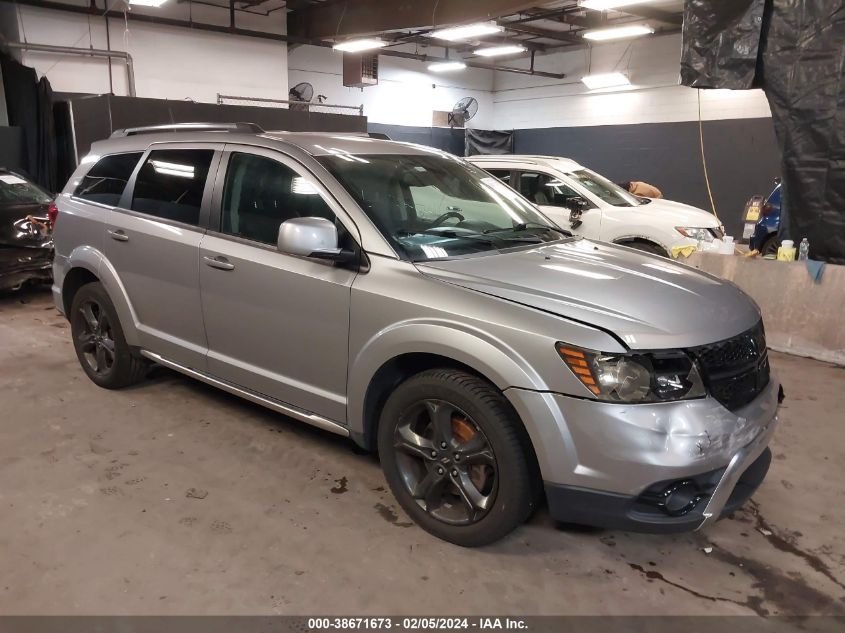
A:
(680, 498)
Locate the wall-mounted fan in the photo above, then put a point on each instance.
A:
(463, 111)
(302, 92)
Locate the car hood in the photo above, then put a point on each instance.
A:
(680, 214)
(647, 301)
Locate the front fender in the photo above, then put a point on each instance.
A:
(94, 261)
(490, 357)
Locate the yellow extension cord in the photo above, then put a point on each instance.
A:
(704, 159)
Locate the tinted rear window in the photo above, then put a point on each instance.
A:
(106, 180)
(17, 190)
(171, 183)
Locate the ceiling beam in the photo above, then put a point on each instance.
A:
(365, 17)
(675, 19)
(560, 36)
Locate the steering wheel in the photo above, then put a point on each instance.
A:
(449, 214)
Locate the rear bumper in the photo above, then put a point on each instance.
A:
(19, 265)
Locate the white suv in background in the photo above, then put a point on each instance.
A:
(590, 205)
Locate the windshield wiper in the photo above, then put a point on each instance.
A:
(476, 237)
(524, 226)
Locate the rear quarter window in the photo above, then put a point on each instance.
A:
(105, 181)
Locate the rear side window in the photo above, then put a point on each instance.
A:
(106, 180)
(170, 184)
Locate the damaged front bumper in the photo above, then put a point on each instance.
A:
(665, 467)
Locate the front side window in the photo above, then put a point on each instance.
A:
(261, 193)
(17, 190)
(608, 191)
(546, 190)
(170, 184)
(502, 174)
(437, 206)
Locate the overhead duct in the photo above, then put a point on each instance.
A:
(83, 52)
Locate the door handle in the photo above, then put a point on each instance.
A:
(119, 235)
(219, 262)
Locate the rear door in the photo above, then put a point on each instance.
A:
(152, 241)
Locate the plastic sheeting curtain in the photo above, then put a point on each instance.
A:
(488, 142)
(795, 51)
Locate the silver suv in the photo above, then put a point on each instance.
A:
(400, 296)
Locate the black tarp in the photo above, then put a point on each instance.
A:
(795, 51)
(488, 142)
(46, 139)
(29, 106)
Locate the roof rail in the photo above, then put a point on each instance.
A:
(250, 128)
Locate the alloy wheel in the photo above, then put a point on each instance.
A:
(96, 340)
(446, 462)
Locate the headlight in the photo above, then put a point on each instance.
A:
(652, 377)
(695, 234)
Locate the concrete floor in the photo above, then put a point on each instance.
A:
(96, 515)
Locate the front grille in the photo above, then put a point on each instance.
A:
(735, 370)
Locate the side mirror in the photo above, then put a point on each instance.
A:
(577, 204)
(313, 237)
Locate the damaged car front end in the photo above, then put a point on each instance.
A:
(26, 242)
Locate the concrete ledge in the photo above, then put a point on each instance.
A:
(801, 317)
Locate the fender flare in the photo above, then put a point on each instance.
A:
(490, 357)
(95, 262)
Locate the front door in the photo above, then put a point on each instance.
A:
(152, 243)
(277, 324)
(552, 195)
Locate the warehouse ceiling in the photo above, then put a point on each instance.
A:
(406, 26)
(536, 25)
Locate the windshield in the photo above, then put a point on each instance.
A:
(435, 206)
(608, 191)
(16, 190)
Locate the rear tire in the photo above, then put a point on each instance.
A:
(99, 342)
(455, 457)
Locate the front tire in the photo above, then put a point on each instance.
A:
(647, 247)
(770, 246)
(455, 457)
(99, 342)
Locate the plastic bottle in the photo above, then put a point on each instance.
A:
(728, 245)
(804, 250)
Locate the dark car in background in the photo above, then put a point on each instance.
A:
(26, 243)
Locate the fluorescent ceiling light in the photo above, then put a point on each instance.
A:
(606, 80)
(355, 46)
(465, 32)
(500, 50)
(605, 5)
(619, 32)
(442, 67)
(147, 3)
